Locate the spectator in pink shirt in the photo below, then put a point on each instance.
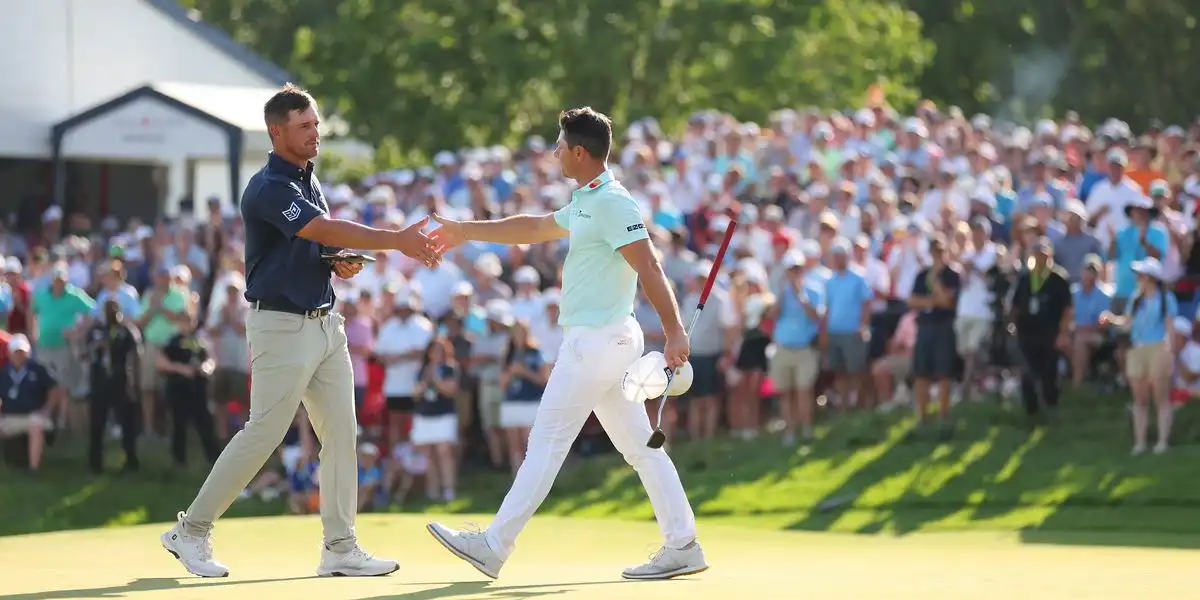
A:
(896, 365)
(360, 337)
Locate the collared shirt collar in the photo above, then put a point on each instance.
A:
(602, 179)
(283, 166)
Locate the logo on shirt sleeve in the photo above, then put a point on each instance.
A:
(292, 213)
(633, 228)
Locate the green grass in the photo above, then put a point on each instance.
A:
(1064, 480)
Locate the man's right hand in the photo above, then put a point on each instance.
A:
(413, 243)
(449, 235)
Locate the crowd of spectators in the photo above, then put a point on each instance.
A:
(880, 262)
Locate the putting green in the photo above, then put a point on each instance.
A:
(274, 558)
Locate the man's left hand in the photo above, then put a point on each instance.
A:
(346, 270)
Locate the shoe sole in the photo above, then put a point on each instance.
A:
(471, 561)
(346, 573)
(669, 575)
(185, 567)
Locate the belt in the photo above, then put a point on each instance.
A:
(315, 313)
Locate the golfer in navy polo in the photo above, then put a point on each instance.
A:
(297, 343)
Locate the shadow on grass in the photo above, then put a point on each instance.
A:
(155, 584)
(490, 590)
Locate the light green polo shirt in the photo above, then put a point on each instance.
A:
(159, 330)
(599, 287)
(56, 314)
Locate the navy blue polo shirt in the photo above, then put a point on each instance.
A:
(25, 390)
(281, 267)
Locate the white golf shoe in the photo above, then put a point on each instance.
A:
(470, 546)
(194, 552)
(669, 562)
(355, 563)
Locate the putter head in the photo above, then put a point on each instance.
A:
(657, 439)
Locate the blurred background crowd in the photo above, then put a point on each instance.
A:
(845, 224)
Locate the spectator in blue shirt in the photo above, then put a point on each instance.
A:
(370, 477)
(1143, 238)
(1148, 364)
(847, 324)
(794, 368)
(1091, 300)
(112, 280)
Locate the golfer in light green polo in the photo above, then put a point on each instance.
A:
(609, 251)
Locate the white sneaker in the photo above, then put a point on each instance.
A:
(1160, 447)
(668, 563)
(470, 546)
(1138, 449)
(355, 563)
(194, 552)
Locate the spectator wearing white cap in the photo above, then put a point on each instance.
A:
(487, 363)
(61, 311)
(1179, 229)
(798, 314)
(1187, 361)
(975, 320)
(184, 251)
(1149, 363)
(486, 278)
(1076, 242)
(1142, 238)
(847, 325)
(383, 272)
(944, 194)
(51, 225)
(30, 399)
(547, 329)
(401, 345)
(1108, 198)
(527, 300)
(909, 254)
(370, 477)
(1091, 299)
(19, 317)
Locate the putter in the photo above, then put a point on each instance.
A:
(658, 438)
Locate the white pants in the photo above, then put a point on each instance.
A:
(585, 379)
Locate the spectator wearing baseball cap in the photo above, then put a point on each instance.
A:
(400, 346)
(1091, 298)
(799, 313)
(935, 295)
(22, 295)
(1142, 238)
(61, 309)
(847, 325)
(1076, 243)
(30, 399)
(1108, 198)
(1148, 363)
(1041, 305)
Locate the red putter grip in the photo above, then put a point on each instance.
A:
(716, 266)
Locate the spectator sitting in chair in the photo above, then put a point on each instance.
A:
(1092, 298)
(31, 396)
(1187, 362)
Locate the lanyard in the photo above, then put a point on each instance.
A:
(17, 376)
(1036, 281)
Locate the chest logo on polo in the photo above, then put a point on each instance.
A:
(594, 184)
(581, 214)
(292, 213)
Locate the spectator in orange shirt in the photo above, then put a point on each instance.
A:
(1142, 171)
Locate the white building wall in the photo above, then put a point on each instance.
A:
(60, 57)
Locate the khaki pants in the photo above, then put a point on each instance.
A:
(65, 367)
(293, 359)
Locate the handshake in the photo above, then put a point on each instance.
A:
(414, 243)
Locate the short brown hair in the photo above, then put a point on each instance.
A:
(289, 98)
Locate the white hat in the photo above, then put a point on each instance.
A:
(527, 274)
(647, 378)
(489, 264)
(181, 272)
(54, 213)
(1047, 127)
(702, 268)
(19, 343)
(1118, 156)
(368, 449)
(499, 311)
(444, 158)
(381, 194)
(1149, 267)
(464, 288)
(865, 116)
(552, 296)
(405, 299)
(1183, 326)
(12, 264)
(793, 258)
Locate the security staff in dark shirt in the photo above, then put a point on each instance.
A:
(114, 353)
(187, 367)
(298, 345)
(1040, 310)
(935, 297)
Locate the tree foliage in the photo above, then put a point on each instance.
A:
(415, 76)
